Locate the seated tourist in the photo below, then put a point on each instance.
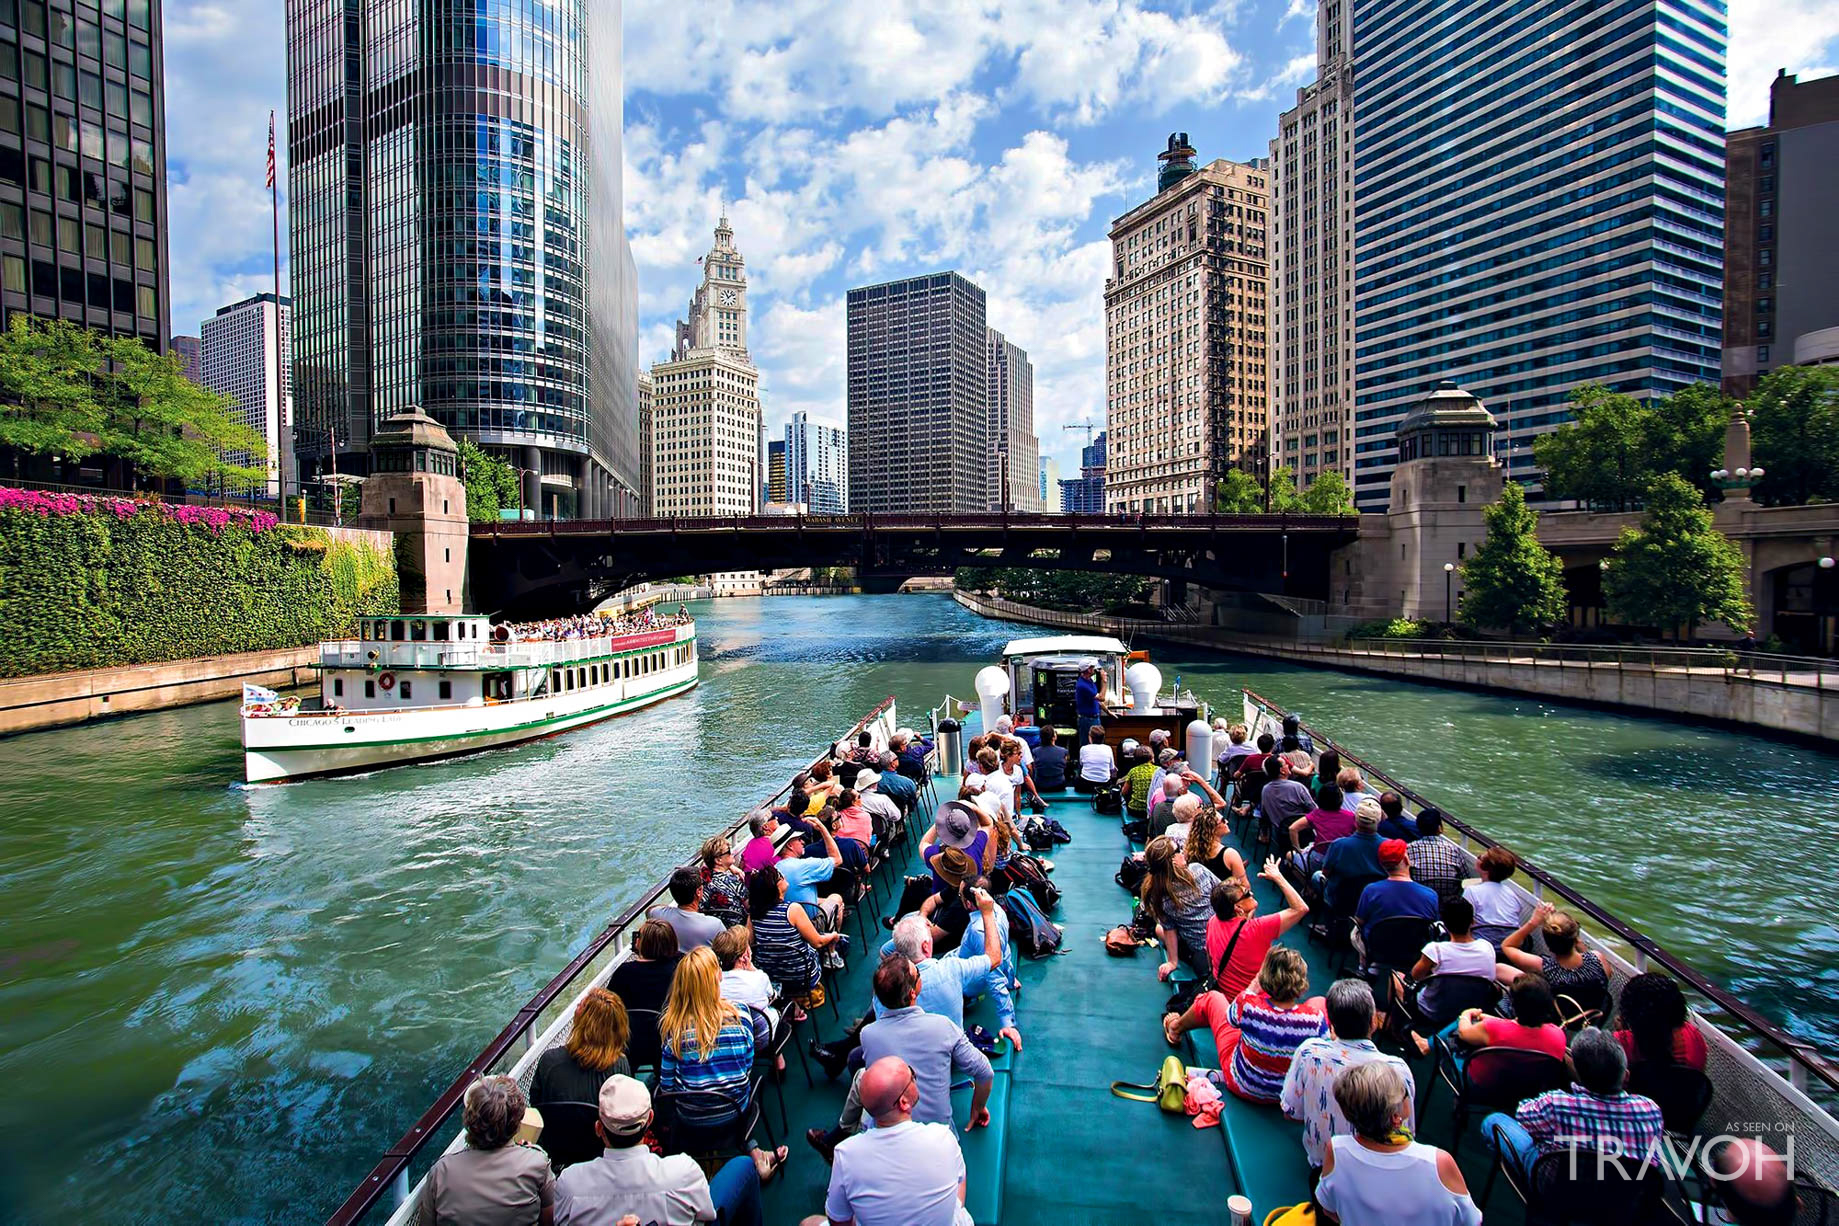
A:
(1139, 771)
(865, 753)
(629, 1183)
(823, 780)
(1247, 774)
(912, 752)
(1020, 774)
(1596, 1106)
(1177, 895)
(1533, 1026)
(1462, 956)
(1353, 787)
(762, 850)
(1652, 1023)
(693, 928)
(1162, 810)
(1202, 835)
(961, 826)
(724, 889)
(1436, 860)
(1282, 800)
(1395, 895)
(1755, 1185)
(1571, 970)
(1351, 862)
(1393, 824)
(887, 812)
(786, 941)
(1236, 749)
(901, 1172)
(1258, 1032)
(1050, 761)
(992, 767)
(743, 983)
(642, 982)
(1377, 1175)
(494, 1181)
(595, 1050)
(855, 829)
(894, 785)
(972, 749)
(1294, 738)
(1097, 762)
(1308, 1088)
(947, 982)
(932, 1047)
(803, 873)
(1318, 829)
(709, 1047)
(1166, 762)
(1497, 905)
(1238, 937)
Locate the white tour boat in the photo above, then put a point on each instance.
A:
(411, 688)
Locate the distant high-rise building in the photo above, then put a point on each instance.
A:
(705, 418)
(457, 240)
(239, 360)
(1185, 334)
(1049, 489)
(190, 352)
(1312, 264)
(817, 464)
(83, 220)
(776, 487)
(1085, 494)
(919, 396)
(1014, 450)
(1538, 205)
(647, 484)
(1781, 266)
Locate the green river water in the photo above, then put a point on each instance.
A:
(221, 1003)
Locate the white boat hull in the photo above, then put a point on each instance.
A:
(277, 748)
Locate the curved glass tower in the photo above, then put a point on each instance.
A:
(456, 236)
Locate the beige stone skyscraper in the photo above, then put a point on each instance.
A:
(705, 415)
(1185, 334)
(1312, 264)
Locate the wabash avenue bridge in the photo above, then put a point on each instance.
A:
(552, 568)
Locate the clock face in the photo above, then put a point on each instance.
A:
(729, 297)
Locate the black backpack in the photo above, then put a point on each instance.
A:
(1038, 834)
(1130, 874)
(1031, 932)
(1108, 801)
(1026, 871)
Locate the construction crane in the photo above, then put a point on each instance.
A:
(1087, 426)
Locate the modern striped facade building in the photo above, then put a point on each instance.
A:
(1538, 205)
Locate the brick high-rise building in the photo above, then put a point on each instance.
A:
(190, 352)
(1781, 266)
(1185, 334)
(1312, 264)
(919, 396)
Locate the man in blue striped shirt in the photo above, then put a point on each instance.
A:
(1595, 1116)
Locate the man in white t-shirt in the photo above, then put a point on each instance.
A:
(1006, 727)
(900, 1172)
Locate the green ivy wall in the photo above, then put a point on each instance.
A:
(98, 590)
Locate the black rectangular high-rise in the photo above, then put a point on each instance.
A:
(83, 165)
(919, 391)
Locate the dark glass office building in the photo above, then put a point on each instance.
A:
(457, 238)
(83, 164)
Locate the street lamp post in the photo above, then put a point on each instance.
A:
(1449, 578)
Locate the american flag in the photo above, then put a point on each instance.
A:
(271, 150)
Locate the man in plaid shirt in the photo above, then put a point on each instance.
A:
(1436, 861)
(1595, 1115)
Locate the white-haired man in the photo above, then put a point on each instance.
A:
(946, 982)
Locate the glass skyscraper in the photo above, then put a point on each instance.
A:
(1538, 204)
(456, 236)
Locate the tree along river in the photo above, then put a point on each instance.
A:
(223, 1003)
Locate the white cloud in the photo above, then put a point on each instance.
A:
(1799, 35)
(1298, 10)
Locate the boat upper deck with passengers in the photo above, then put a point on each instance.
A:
(1062, 1148)
(414, 687)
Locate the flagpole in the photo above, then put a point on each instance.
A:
(284, 441)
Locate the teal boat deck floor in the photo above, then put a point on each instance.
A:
(1064, 1151)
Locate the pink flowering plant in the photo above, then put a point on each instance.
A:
(48, 504)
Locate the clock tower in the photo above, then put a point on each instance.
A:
(718, 310)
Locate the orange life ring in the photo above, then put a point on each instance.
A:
(387, 680)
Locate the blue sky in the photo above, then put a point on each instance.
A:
(855, 142)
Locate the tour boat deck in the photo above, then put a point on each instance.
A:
(1062, 1149)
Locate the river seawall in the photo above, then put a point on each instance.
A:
(54, 700)
(1804, 705)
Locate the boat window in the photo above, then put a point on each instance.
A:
(555, 680)
(363, 631)
(402, 691)
(370, 689)
(446, 690)
(440, 632)
(418, 631)
(396, 631)
(338, 687)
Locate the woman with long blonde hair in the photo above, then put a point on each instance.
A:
(708, 1045)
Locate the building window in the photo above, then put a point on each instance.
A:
(1462, 493)
(1762, 353)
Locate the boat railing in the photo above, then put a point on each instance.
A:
(538, 1024)
(1780, 1073)
(1813, 672)
(519, 653)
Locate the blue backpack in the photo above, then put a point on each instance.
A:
(1029, 928)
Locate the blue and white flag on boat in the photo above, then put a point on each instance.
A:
(257, 693)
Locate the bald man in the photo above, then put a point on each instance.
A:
(900, 1172)
(1754, 1183)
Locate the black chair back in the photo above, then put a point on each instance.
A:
(1591, 1189)
(1681, 1091)
(1456, 993)
(1395, 943)
(568, 1133)
(700, 1122)
(1504, 1077)
(644, 1048)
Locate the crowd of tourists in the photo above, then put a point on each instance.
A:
(595, 625)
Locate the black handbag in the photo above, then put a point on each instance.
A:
(1184, 995)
